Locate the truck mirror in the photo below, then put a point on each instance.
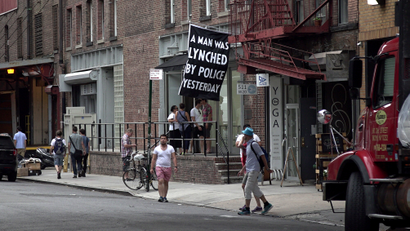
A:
(324, 116)
(355, 73)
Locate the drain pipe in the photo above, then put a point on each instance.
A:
(29, 29)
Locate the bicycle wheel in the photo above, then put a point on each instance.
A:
(154, 181)
(134, 180)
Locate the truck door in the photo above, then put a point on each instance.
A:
(383, 118)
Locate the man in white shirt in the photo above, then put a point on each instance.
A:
(161, 160)
(20, 141)
(196, 116)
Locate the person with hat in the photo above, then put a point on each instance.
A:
(253, 153)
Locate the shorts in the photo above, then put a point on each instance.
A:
(58, 160)
(208, 131)
(198, 133)
(125, 163)
(163, 173)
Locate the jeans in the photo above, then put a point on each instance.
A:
(84, 164)
(187, 137)
(76, 162)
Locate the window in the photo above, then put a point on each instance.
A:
(38, 34)
(89, 22)
(223, 5)
(69, 28)
(205, 10)
(169, 12)
(384, 84)
(299, 17)
(189, 9)
(113, 18)
(6, 43)
(54, 16)
(79, 25)
(343, 14)
(19, 38)
(101, 19)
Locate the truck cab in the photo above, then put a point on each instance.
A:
(373, 178)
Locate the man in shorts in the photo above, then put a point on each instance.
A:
(161, 160)
(58, 159)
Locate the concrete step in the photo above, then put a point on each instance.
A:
(232, 172)
(232, 179)
(232, 165)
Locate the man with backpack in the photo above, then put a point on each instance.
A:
(58, 149)
(253, 154)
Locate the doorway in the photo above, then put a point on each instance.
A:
(292, 130)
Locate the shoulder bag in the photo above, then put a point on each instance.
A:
(77, 153)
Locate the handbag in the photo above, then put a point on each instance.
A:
(77, 153)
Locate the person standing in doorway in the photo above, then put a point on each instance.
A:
(75, 142)
(57, 150)
(253, 152)
(207, 116)
(196, 116)
(126, 150)
(161, 160)
(87, 151)
(174, 132)
(185, 128)
(20, 142)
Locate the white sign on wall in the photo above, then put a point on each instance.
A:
(276, 122)
(262, 80)
(155, 74)
(246, 89)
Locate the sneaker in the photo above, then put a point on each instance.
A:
(266, 208)
(245, 212)
(257, 209)
(75, 176)
(242, 208)
(161, 199)
(165, 199)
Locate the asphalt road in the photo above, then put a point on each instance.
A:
(28, 205)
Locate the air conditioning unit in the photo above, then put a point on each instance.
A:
(89, 89)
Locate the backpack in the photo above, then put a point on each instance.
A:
(59, 147)
(261, 164)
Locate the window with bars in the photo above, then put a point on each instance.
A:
(101, 22)
(89, 21)
(113, 18)
(54, 16)
(69, 28)
(38, 34)
(19, 38)
(79, 25)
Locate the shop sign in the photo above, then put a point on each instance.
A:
(246, 89)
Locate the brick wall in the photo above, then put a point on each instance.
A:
(193, 169)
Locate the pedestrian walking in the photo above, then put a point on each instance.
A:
(253, 152)
(161, 160)
(58, 151)
(241, 144)
(126, 150)
(84, 160)
(20, 142)
(75, 143)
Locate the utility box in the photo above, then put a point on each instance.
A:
(77, 116)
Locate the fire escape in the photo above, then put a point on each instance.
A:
(256, 24)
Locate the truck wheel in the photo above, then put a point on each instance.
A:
(12, 176)
(355, 215)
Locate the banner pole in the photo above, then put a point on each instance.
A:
(149, 135)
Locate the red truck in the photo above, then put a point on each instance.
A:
(374, 178)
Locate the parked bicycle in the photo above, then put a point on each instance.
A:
(138, 175)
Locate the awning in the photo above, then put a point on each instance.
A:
(174, 64)
(81, 77)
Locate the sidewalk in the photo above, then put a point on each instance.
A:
(290, 201)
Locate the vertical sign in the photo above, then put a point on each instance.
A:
(208, 56)
(276, 122)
